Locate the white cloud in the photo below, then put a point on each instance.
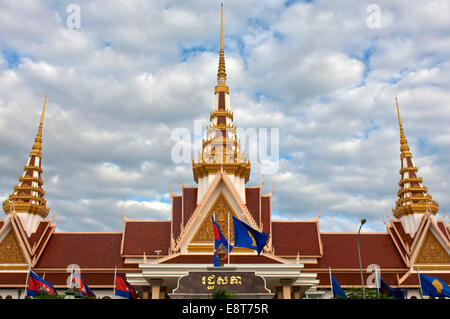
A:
(135, 70)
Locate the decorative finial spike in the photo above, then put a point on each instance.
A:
(221, 26)
(398, 113)
(43, 110)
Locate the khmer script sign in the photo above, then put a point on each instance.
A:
(208, 281)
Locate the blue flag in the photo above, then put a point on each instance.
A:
(219, 239)
(386, 290)
(434, 287)
(337, 290)
(245, 236)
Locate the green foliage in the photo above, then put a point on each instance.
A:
(356, 293)
(45, 295)
(222, 294)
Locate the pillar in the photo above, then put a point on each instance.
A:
(156, 288)
(296, 292)
(145, 292)
(279, 293)
(286, 288)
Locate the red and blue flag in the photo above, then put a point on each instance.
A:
(219, 239)
(81, 286)
(124, 289)
(36, 285)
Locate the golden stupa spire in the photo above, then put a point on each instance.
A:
(413, 198)
(28, 195)
(221, 149)
(221, 73)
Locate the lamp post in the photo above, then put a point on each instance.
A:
(363, 221)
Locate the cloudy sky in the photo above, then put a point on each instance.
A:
(325, 73)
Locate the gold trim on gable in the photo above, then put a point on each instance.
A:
(221, 208)
(10, 252)
(432, 252)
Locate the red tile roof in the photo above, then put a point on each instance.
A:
(34, 238)
(176, 216)
(88, 250)
(406, 238)
(265, 214)
(444, 229)
(16, 279)
(146, 236)
(340, 251)
(398, 241)
(252, 199)
(413, 278)
(290, 238)
(189, 202)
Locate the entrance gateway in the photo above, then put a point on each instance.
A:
(255, 281)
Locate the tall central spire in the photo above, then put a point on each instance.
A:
(413, 198)
(221, 149)
(221, 73)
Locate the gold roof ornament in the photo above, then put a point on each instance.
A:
(413, 197)
(28, 195)
(221, 73)
(221, 149)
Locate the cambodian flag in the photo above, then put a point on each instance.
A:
(36, 285)
(81, 286)
(219, 239)
(124, 289)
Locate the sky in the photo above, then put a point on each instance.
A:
(121, 76)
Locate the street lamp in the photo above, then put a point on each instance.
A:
(363, 221)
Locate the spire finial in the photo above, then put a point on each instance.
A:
(403, 141)
(221, 74)
(38, 140)
(221, 27)
(398, 113)
(43, 110)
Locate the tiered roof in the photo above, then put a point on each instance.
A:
(28, 195)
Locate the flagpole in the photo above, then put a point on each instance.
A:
(377, 281)
(71, 278)
(26, 283)
(229, 231)
(420, 283)
(331, 282)
(115, 275)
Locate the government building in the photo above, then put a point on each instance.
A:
(174, 258)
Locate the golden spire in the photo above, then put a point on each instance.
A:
(221, 149)
(412, 196)
(221, 74)
(28, 195)
(37, 147)
(403, 141)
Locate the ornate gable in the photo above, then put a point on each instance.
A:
(222, 210)
(432, 252)
(10, 251)
(220, 198)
